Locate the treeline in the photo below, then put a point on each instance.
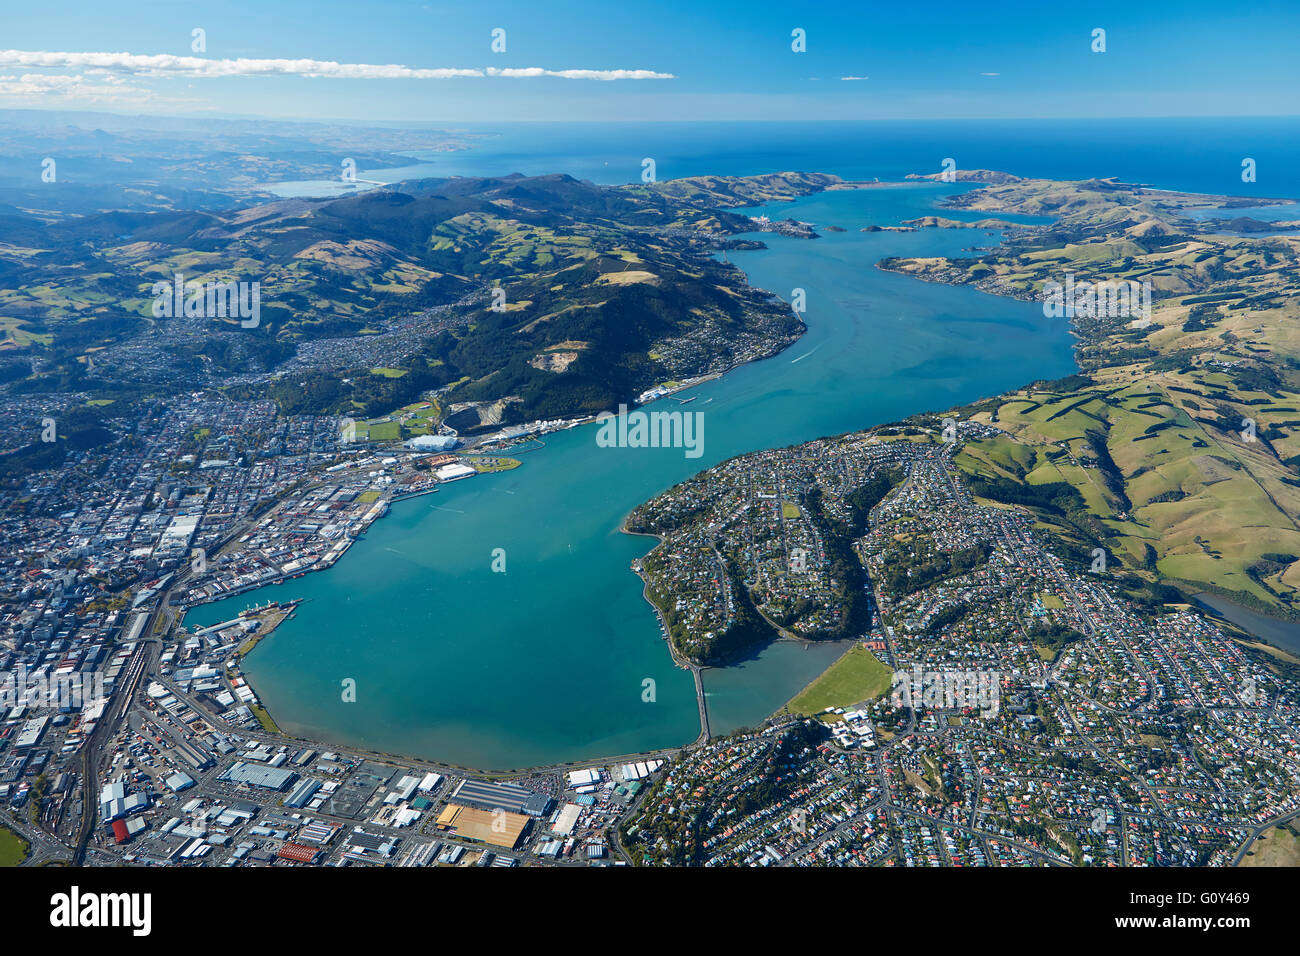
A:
(861, 500)
(1052, 635)
(1151, 596)
(776, 784)
(845, 568)
(749, 629)
(79, 428)
(946, 617)
(1057, 497)
(359, 394)
(1110, 472)
(907, 574)
(617, 323)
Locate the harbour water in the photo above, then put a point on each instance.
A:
(1271, 630)
(549, 661)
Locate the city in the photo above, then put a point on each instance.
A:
(717, 443)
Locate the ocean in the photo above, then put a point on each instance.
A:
(1194, 155)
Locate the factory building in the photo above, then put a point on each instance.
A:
(509, 797)
(302, 793)
(267, 778)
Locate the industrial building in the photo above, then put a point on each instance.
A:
(641, 770)
(298, 853)
(268, 778)
(509, 797)
(302, 793)
(179, 781)
(566, 820)
(485, 826)
(454, 472)
(432, 443)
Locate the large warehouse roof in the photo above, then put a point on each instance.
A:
(270, 778)
(485, 826)
(502, 796)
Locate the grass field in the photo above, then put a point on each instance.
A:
(855, 677)
(385, 431)
(1278, 847)
(13, 848)
(789, 509)
(485, 465)
(265, 719)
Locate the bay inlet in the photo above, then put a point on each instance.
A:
(548, 662)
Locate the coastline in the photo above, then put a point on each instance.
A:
(1280, 633)
(680, 661)
(285, 611)
(697, 670)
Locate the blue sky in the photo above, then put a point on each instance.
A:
(709, 61)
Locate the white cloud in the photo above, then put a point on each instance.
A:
(990, 74)
(581, 74)
(855, 77)
(108, 89)
(162, 64)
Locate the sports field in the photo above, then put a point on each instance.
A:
(855, 677)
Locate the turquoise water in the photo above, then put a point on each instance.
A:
(547, 662)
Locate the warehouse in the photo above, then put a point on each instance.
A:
(124, 830)
(566, 820)
(485, 826)
(179, 781)
(509, 797)
(118, 807)
(454, 472)
(297, 853)
(583, 778)
(193, 756)
(403, 791)
(31, 733)
(639, 771)
(302, 793)
(268, 778)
